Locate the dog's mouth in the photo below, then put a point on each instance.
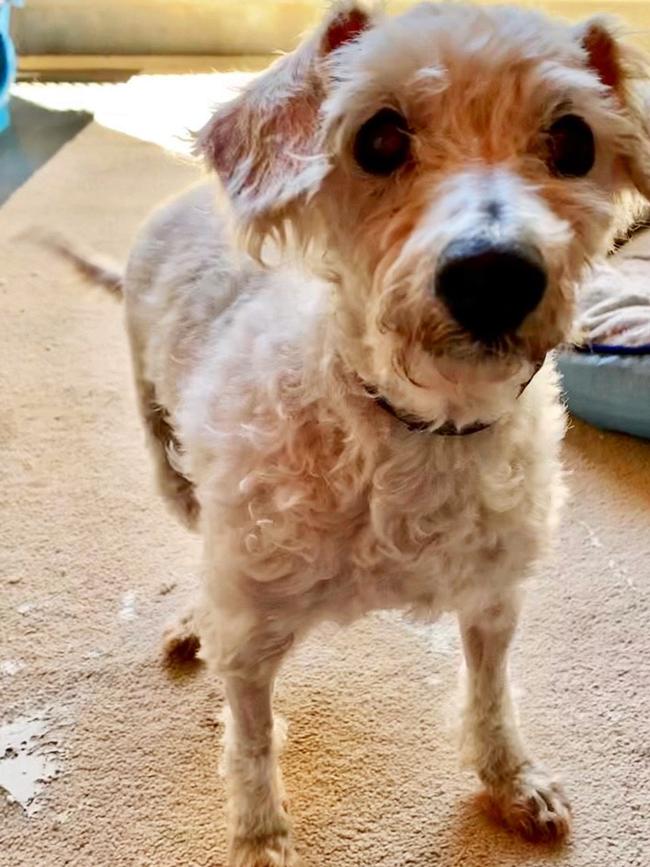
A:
(459, 355)
(458, 396)
(488, 369)
(462, 357)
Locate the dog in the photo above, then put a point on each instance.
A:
(343, 354)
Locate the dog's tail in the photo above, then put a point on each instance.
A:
(91, 265)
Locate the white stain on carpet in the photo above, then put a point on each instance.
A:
(29, 759)
(440, 636)
(594, 540)
(11, 666)
(127, 611)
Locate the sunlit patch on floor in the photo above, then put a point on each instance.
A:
(163, 109)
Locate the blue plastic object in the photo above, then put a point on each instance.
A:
(609, 390)
(7, 61)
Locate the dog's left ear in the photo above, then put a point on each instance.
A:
(626, 72)
(263, 144)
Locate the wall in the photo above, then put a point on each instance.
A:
(211, 27)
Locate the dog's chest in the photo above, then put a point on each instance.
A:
(429, 527)
(431, 523)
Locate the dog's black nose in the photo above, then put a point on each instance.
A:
(489, 288)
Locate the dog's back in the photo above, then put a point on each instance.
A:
(198, 309)
(179, 280)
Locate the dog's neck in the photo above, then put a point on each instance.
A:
(448, 429)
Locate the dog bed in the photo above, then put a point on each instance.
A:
(607, 377)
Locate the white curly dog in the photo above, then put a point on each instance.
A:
(342, 356)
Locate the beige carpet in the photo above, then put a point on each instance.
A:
(92, 566)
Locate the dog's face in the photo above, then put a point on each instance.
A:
(457, 166)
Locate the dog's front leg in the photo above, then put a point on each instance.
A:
(527, 799)
(259, 829)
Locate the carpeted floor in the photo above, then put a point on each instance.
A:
(115, 760)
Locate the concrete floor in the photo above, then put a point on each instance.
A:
(34, 136)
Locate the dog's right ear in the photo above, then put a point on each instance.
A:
(263, 144)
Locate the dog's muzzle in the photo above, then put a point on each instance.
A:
(489, 287)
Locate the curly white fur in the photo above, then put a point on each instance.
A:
(312, 501)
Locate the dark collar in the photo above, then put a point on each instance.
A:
(448, 429)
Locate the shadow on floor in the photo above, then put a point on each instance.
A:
(34, 136)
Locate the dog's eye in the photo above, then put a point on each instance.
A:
(572, 150)
(383, 143)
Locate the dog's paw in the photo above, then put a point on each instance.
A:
(534, 806)
(180, 640)
(275, 850)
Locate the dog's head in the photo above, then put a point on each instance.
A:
(456, 168)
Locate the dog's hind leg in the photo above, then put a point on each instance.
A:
(177, 490)
(181, 641)
(526, 798)
(175, 487)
